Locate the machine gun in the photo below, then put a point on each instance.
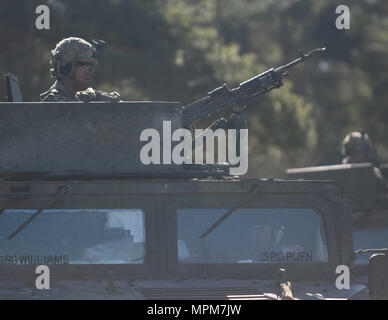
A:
(223, 97)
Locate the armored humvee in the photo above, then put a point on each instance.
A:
(90, 191)
(75, 196)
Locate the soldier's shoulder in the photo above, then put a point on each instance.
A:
(54, 95)
(51, 95)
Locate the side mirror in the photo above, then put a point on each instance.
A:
(378, 276)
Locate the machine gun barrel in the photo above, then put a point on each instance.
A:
(223, 97)
(299, 60)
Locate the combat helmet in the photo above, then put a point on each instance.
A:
(356, 141)
(70, 52)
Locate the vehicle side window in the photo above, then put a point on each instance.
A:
(251, 235)
(73, 236)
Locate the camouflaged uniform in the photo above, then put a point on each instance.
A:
(57, 93)
(360, 141)
(63, 60)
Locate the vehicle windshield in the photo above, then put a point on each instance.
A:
(270, 235)
(73, 236)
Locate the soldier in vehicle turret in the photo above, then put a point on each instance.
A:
(356, 148)
(72, 63)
